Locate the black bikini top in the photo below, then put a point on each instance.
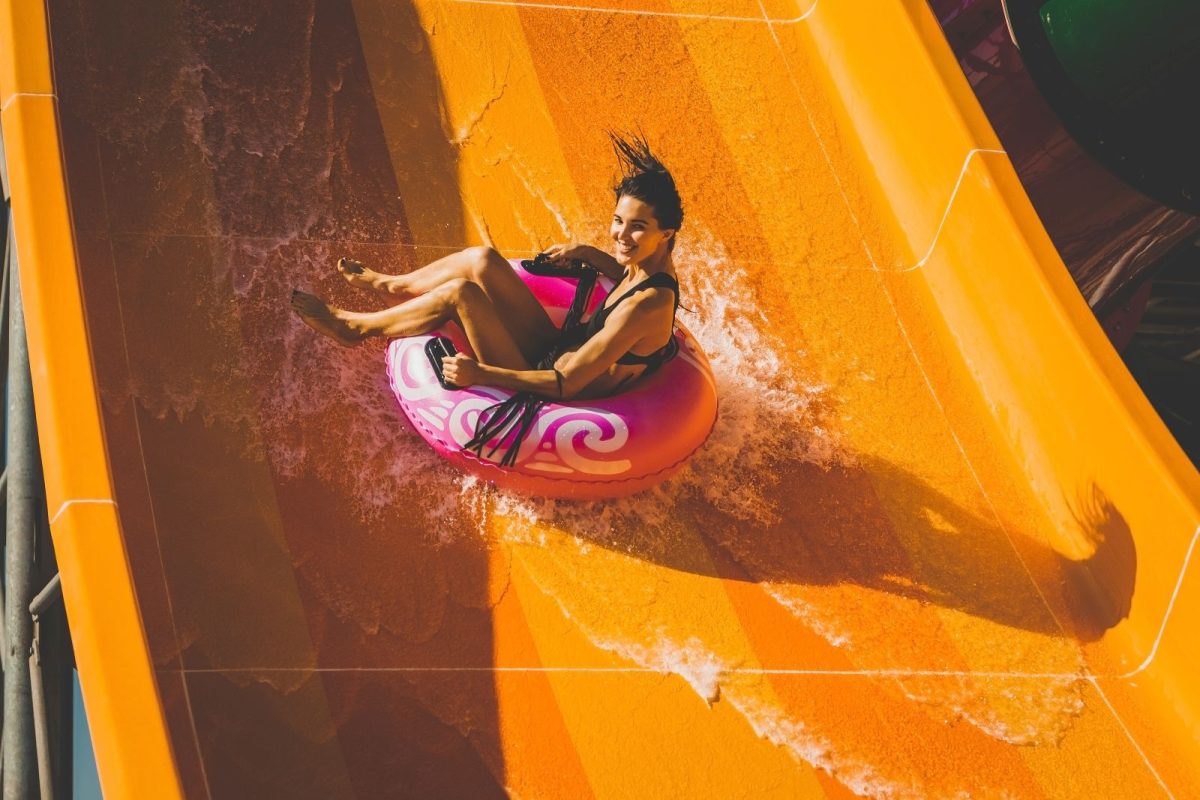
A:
(584, 331)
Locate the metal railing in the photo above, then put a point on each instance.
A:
(45, 599)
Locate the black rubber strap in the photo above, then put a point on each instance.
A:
(542, 265)
(583, 293)
(435, 350)
(514, 415)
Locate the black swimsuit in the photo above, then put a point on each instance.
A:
(574, 337)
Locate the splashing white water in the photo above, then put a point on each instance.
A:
(692, 661)
(766, 415)
(809, 747)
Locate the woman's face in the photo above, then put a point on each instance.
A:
(635, 231)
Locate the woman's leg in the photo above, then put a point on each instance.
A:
(524, 316)
(458, 300)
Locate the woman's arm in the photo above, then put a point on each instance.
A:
(602, 261)
(463, 372)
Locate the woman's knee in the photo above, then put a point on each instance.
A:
(483, 259)
(458, 292)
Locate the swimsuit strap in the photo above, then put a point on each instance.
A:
(659, 280)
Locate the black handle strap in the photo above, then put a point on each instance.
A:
(435, 350)
(586, 274)
(542, 265)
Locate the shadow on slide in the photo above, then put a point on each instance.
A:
(878, 526)
(217, 156)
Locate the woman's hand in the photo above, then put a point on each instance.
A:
(564, 254)
(561, 255)
(462, 371)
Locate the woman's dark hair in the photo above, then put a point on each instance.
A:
(646, 179)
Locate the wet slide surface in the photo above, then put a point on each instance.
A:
(855, 588)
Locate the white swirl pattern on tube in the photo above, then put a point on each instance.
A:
(589, 422)
(416, 374)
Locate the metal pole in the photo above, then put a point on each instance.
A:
(40, 733)
(46, 597)
(20, 763)
(3, 650)
(41, 728)
(8, 247)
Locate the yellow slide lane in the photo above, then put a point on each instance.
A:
(938, 544)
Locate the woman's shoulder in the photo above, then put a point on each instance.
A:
(649, 300)
(662, 286)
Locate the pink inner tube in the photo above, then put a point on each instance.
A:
(588, 449)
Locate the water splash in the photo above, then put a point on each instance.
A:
(691, 660)
(766, 415)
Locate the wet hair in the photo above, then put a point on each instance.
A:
(646, 179)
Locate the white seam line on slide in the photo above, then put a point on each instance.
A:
(15, 95)
(1131, 738)
(640, 13)
(82, 501)
(1187, 558)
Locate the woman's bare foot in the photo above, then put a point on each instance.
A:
(360, 277)
(323, 318)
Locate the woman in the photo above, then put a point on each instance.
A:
(517, 345)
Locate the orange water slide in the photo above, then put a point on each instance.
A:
(938, 544)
